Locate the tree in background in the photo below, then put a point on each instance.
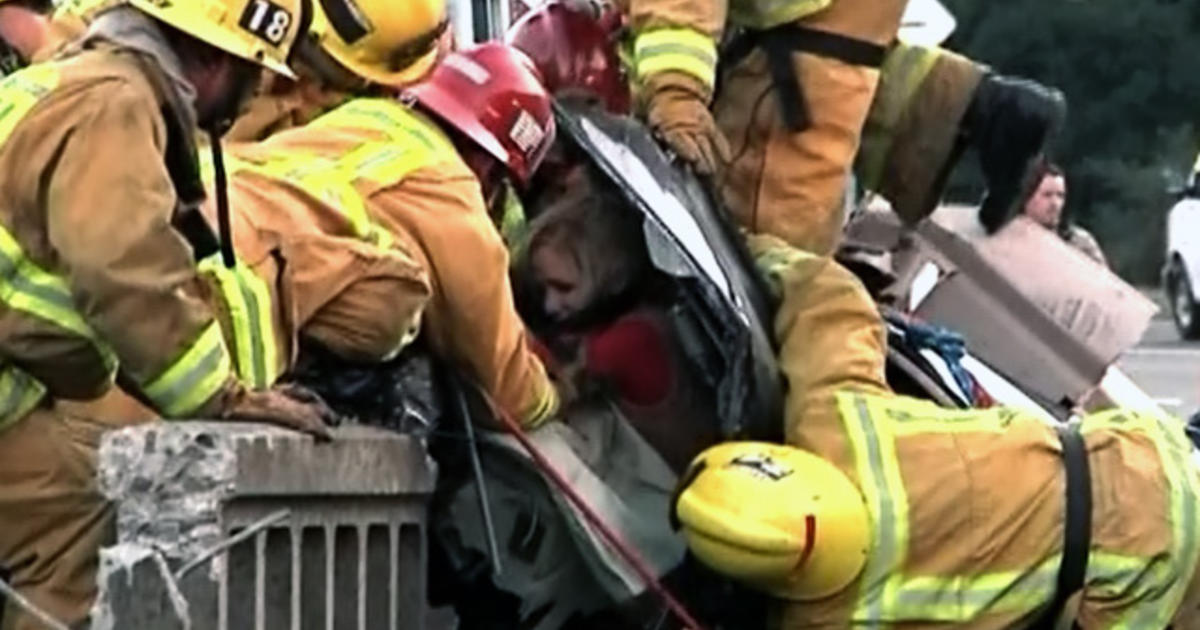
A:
(1129, 71)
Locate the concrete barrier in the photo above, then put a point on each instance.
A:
(247, 527)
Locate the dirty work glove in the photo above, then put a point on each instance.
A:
(677, 111)
(290, 406)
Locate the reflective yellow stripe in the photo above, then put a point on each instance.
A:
(21, 91)
(872, 423)
(904, 69)
(962, 599)
(328, 182)
(409, 141)
(1128, 578)
(194, 378)
(19, 394)
(27, 288)
(887, 501)
(24, 286)
(543, 410)
(675, 49)
(939, 420)
(514, 226)
(773, 264)
(398, 123)
(248, 301)
(1156, 584)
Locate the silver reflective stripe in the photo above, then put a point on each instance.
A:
(963, 599)
(1159, 609)
(883, 561)
(10, 270)
(659, 50)
(257, 350)
(192, 378)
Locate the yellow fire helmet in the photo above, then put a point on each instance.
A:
(262, 31)
(775, 517)
(384, 42)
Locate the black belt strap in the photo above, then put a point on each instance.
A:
(780, 42)
(1077, 530)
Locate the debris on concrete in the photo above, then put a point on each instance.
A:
(356, 512)
(138, 591)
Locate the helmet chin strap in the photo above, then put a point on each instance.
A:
(224, 227)
(244, 80)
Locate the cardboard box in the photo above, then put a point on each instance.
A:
(1096, 306)
(1028, 304)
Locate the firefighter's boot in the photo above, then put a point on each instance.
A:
(931, 105)
(1009, 123)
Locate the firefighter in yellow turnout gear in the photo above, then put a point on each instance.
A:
(289, 274)
(362, 44)
(95, 277)
(281, 101)
(368, 225)
(882, 509)
(798, 83)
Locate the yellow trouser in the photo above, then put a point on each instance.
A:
(968, 515)
(792, 184)
(53, 520)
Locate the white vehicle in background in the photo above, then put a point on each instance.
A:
(1181, 270)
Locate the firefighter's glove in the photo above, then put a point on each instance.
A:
(774, 517)
(679, 115)
(290, 406)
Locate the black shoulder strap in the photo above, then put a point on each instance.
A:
(1077, 528)
(184, 169)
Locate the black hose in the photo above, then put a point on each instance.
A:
(459, 389)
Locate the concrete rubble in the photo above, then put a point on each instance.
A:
(345, 548)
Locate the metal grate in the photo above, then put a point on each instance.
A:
(336, 565)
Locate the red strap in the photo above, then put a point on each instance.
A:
(810, 539)
(614, 540)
